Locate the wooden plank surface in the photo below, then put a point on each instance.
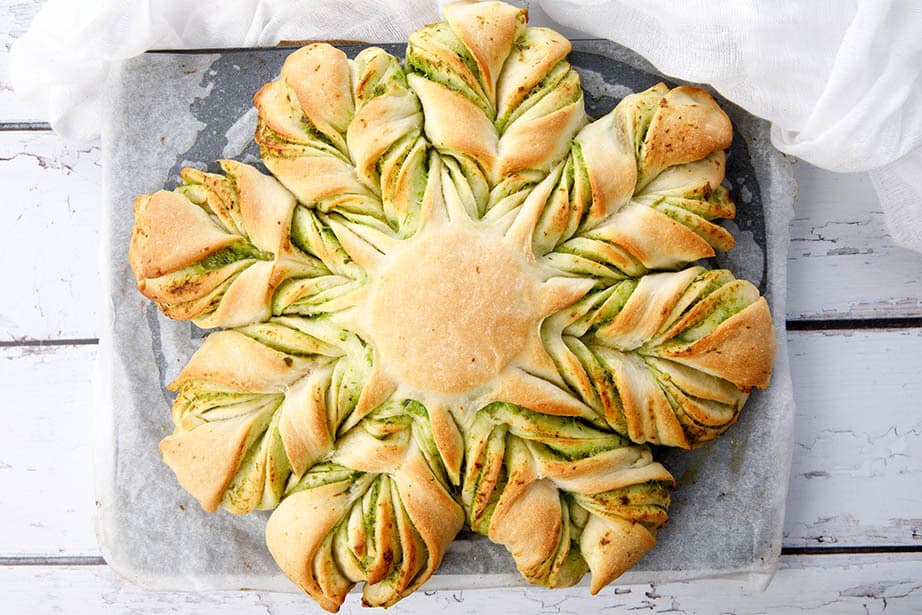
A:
(841, 261)
(46, 476)
(856, 477)
(840, 584)
(51, 253)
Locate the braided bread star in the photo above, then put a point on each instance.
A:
(458, 300)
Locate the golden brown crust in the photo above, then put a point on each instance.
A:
(614, 469)
(418, 521)
(534, 140)
(612, 350)
(697, 383)
(240, 363)
(524, 69)
(612, 546)
(697, 177)
(687, 126)
(435, 514)
(455, 124)
(377, 126)
(538, 526)
(647, 412)
(609, 159)
(170, 233)
(527, 520)
(279, 112)
(215, 250)
(265, 206)
(303, 424)
(364, 451)
(522, 389)
(741, 349)
(321, 78)
(488, 30)
(206, 459)
(316, 178)
(646, 311)
(654, 239)
(247, 300)
(295, 532)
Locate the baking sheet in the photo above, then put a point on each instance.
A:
(169, 110)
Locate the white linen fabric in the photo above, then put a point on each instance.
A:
(840, 80)
(60, 64)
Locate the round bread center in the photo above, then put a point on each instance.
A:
(451, 310)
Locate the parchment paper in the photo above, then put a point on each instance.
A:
(172, 110)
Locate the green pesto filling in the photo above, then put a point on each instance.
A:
(720, 314)
(571, 438)
(481, 525)
(554, 77)
(433, 69)
(324, 474)
(274, 145)
(731, 302)
(232, 254)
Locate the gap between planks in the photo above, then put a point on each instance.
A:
(858, 324)
(25, 126)
(30, 343)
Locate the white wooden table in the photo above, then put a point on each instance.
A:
(853, 532)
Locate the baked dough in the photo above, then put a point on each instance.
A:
(458, 300)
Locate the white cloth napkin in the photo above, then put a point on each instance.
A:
(840, 80)
(61, 62)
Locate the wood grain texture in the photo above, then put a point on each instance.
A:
(46, 478)
(51, 219)
(841, 584)
(856, 477)
(842, 262)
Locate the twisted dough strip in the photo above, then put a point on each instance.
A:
(261, 403)
(346, 136)
(500, 100)
(213, 250)
(379, 512)
(640, 188)
(228, 251)
(668, 358)
(561, 495)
